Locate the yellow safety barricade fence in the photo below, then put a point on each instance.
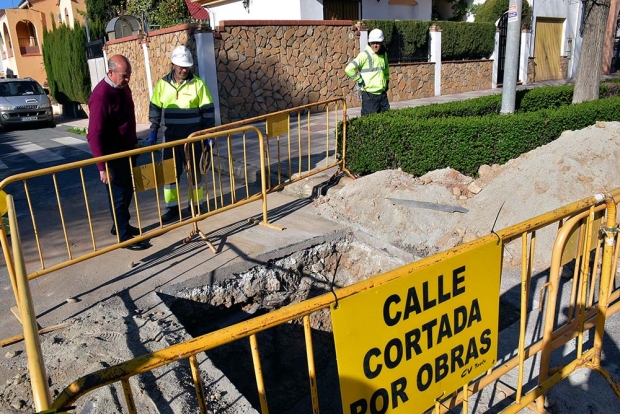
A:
(587, 238)
(587, 230)
(227, 164)
(232, 163)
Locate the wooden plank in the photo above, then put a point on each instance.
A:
(17, 338)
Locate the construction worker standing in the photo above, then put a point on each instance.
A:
(181, 102)
(371, 72)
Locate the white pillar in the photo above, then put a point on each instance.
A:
(363, 39)
(207, 70)
(435, 55)
(495, 57)
(147, 68)
(526, 37)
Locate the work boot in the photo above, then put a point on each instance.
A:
(134, 231)
(170, 214)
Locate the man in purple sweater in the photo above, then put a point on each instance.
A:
(112, 129)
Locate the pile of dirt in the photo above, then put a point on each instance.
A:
(576, 165)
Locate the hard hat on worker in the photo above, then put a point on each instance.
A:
(375, 36)
(181, 56)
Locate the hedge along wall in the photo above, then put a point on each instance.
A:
(466, 75)
(159, 45)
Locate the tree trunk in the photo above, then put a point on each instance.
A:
(591, 59)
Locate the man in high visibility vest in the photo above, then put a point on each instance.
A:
(182, 103)
(371, 72)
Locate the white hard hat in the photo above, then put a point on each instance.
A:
(375, 35)
(181, 56)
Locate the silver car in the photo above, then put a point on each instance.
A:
(24, 101)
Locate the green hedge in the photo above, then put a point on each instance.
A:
(461, 40)
(406, 39)
(491, 10)
(527, 100)
(384, 141)
(413, 36)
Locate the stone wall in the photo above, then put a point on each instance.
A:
(159, 45)
(411, 81)
(466, 75)
(564, 61)
(264, 68)
(132, 48)
(531, 70)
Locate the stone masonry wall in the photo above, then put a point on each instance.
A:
(266, 66)
(411, 81)
(466, 75)
(531, 70)
(159, 44)
(277, 65)
(564, 61)
(131, 47)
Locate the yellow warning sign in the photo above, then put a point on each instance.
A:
(151, 175)
(403, 344)
(277, 125)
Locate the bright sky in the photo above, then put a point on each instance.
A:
(9, 4)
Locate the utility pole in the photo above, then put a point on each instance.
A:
(511, 62)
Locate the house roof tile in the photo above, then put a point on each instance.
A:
(197, 11)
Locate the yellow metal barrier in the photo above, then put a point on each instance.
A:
(228, 160)
(299, 142)
(232, 171)
(575, 220)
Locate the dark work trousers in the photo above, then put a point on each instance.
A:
(373, 104)
(122, 191)
(179, 155)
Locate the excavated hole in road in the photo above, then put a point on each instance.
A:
(304, 274)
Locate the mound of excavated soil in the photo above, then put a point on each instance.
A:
(576, 165)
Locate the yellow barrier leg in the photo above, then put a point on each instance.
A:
(36, 365)
(190, 184)
(607, 276)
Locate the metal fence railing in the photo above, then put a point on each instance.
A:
(586, 239)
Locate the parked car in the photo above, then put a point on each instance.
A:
(24, 101)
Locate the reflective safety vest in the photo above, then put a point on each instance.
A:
(372, 68)
(182, 108)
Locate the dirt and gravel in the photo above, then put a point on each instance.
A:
(577, 165)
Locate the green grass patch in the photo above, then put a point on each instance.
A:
(79, 131)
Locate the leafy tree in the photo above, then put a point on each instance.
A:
(64, 58)
(170, 13)
(103, 10)
(459, 9)
(589, 68)
(139, 8)
(491, 10)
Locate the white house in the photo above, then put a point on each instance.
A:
(221, 10)
(556, 35)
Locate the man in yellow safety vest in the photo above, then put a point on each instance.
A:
(182, 103)
(371, 72)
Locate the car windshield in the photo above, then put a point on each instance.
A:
(20, 88)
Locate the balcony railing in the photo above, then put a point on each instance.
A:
(28, 45)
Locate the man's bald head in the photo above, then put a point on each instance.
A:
(119, 70)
